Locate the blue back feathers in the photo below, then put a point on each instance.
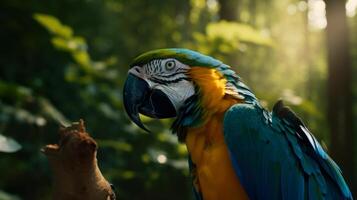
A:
(276, 157)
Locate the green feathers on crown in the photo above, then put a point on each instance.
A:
(186, 56)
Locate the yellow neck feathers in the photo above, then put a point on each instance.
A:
(214, 174)
(212, 86)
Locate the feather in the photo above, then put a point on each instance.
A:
(281, 159)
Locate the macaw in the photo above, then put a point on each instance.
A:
(237, 149)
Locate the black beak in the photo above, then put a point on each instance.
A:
(140, 98)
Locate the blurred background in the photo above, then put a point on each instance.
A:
(65, 60)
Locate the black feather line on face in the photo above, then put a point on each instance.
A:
(153, 67)
(171, 75)
(166, 82)
(158, 81)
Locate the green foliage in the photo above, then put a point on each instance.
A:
(8, 145)
(66, 60)
(54, 25)
(225, 37)
(232, 32)
(63, 39)
(6, 196)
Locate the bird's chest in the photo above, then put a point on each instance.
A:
(214, 174)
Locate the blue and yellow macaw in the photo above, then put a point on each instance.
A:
(237, 149)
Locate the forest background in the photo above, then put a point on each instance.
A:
(65, 60)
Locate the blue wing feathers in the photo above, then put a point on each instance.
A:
(327, 165)
(276, 157)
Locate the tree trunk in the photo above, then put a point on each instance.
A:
(339, 91)
(306, 55)
(253, 13)
(229, 10)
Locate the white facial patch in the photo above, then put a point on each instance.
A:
(177, 92)
(169, 76)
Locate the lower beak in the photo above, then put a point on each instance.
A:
(140, 98)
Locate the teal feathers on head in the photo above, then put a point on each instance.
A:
(193, 58)
(186, 56)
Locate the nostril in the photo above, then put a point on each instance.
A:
(137, 70)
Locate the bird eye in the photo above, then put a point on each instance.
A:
(169, 65)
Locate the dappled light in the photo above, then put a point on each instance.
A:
(66, 60)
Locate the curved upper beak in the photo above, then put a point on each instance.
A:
(135, 92)
(140, 98)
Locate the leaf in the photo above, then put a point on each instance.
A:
(53, 25)
(14, 91)
(63, 44)
(8, 145)
(6, 196)
(118, 145)
(233, 32)
(19, 114)
(82, 58)
(70, 44)
(52, 112)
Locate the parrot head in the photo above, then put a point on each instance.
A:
(164, 83)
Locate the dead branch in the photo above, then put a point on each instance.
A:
(73, 160)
